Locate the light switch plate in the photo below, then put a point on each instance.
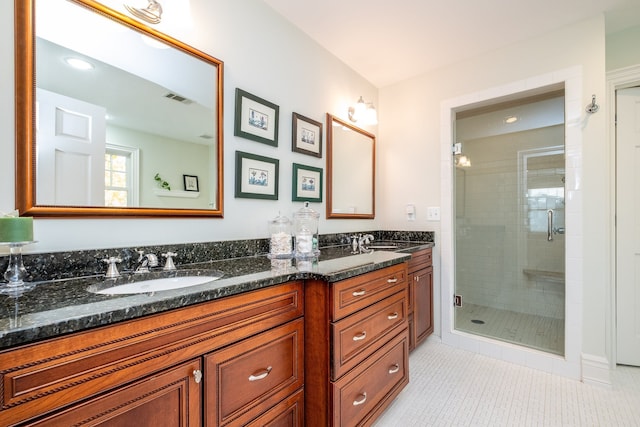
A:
(433, 213)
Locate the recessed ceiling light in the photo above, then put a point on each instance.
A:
(510, 119)
(78, 63)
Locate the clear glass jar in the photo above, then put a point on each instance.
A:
(280, 246)
(306, 232)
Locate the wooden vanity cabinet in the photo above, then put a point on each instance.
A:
(166, 369)
(356, 347)
(420, 297)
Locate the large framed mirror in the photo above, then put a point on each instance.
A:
(351, 170)
(137, 133)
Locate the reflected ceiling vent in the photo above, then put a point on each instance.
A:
(206, 136)
(178, 98)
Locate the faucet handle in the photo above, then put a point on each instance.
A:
(112, 269)
(153, 260)
(169, 265)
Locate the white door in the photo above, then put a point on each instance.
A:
(628, 226)
(71, 137)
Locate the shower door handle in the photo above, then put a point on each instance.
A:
(550, 225)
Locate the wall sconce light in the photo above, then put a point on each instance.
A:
(364, 112)
(460, 160)
(151, 14)
(463, 161)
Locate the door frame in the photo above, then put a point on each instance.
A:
(621, 78)
(571, 364)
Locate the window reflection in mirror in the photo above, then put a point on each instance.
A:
(350, 170)
(146, 104)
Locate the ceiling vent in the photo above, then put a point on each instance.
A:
(180, 99)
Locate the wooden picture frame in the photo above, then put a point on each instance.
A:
(256, 118)
(256, 176)
(307, 184)
(306, 135)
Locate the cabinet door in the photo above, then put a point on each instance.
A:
(423, 304)
(171, 398)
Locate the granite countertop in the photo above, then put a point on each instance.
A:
(55, 308)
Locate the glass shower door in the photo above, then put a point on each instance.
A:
(509, 237)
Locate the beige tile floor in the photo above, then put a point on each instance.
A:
(454, 387)
(541, 333)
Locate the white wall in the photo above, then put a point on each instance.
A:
(410, 133)
(171, 159)
(622, 48)
(263, 55)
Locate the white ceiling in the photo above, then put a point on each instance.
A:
(389, 41)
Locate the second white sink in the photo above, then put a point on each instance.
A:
(155, 285)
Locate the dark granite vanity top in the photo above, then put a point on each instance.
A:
(54, 308)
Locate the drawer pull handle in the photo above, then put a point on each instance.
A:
(394, 280)
(361, 399)
(259, 376)
(394, 368)
(197, 375)
(393, 316)
(359, 293)
(362, 335)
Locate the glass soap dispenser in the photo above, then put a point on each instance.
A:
(306, 232)
(280, 242)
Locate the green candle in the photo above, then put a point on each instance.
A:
(14, 229)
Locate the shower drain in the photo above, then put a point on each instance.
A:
(477, 321)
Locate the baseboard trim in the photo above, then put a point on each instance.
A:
(596, 370)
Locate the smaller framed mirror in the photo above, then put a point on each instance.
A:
(351, 171)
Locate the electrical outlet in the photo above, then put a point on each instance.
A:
(433, 213)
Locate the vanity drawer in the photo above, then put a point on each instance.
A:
(360, 395)
(288, 413)
(357, 336)
(243, 380)
(351, 295)
(420, 259)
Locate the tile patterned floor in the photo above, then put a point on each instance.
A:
(541, 333)
(454, 387)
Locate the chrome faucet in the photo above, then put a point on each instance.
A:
(363, 241)
(359, 243)
(145, 261)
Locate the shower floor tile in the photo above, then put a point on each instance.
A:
(537, 332)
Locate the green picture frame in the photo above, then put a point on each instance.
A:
(256, 176)
(256, 118)
(307, 183)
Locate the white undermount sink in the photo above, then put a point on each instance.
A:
(153, 285)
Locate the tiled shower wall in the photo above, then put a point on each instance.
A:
(493, 242)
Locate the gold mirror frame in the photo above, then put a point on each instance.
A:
(25, 120)
(334, 122)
